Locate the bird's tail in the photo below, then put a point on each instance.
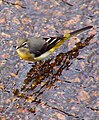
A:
(76, 32)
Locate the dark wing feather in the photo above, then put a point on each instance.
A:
(53, 41)
(50, 43)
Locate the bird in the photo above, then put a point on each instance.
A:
(38, 48)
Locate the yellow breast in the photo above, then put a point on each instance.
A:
(25, 55)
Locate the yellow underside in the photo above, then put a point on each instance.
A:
(25, 55)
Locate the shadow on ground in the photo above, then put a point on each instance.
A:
(43, 75)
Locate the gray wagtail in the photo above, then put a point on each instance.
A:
(38, 48)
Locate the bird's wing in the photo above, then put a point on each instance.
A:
(50, 42)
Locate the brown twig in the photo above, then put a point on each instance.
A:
(10, 3)
(58, 109)
(67, 3)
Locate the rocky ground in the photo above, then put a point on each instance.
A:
(65, 85)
